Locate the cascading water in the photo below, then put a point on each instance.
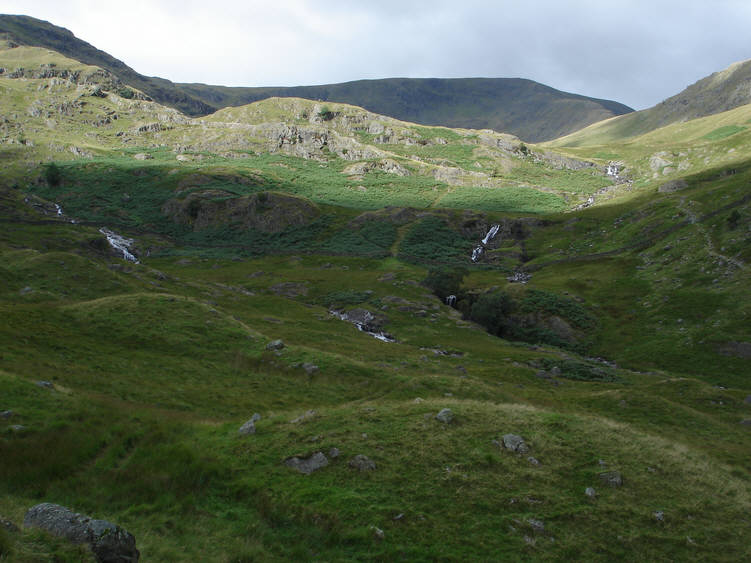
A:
(362, 325)
(59, 210)
(480, 248)
(451, 300)
(120, 243)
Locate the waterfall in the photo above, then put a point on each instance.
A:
(479, 249)
(451, 300)
(362, 325)
(120, 243)
(59, 210)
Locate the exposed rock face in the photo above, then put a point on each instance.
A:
(109, 542)
(265, 211)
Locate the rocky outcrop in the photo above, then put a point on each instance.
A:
(109, 542)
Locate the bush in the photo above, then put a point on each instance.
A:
(53, 175)
(444, 282)
(493, 311)
(126, 93)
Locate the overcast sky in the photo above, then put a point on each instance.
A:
(637, 52)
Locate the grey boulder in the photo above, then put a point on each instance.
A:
(109, 542)
(515, 443)
(307, 464)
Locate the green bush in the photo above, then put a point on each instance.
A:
(444, 282)
(52, 174)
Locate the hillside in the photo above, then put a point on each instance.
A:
(719, 92)
(308, 286)
(524, 108)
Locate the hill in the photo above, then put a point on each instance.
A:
(524, 108)
(719, 92)
(520, 107)
(347, 277)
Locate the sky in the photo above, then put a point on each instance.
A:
(637, 52)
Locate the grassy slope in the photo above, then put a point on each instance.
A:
(156, 365)
(525, 108)
(720, 92)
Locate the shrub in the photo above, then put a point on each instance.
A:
(444, 281)
(493, 311)
(52, 174)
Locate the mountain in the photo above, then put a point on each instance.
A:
(532, 111)
(716, 93)
(338, 336)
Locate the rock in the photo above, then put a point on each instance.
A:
(445, 416)
(109, 542)
(590, 492)
(378, 533)
(659, 515)
(45, 384)
(362, 463)
(248, 428)
(8, 526)
(6, 414)
(303, 417)
(673, 186)
(537, 525)
(17, 428)
(533, 460)
(747, 400)
(515, 443)
(309, 368)
(611, 478)
(255, 418)
(275, 345)
(746, 422)
(308, 464)
(26, 290)
(142, 156)
(418, 400)
(334, 453)
(290, 289)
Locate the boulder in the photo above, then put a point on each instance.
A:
(673, 186)
(6, 414)
(143, 156)
(445, 416)
(515, 443)
(590, 492)
(307, 464)
(362, 463)
(109, 542)
(275, 345)
(611, 478)
(248, 428)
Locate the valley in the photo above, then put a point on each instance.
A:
(605, 323)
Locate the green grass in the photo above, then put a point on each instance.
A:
(156, 365)
(723, 132)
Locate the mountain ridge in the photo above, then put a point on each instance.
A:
(527, 109)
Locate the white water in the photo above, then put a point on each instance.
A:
(491, 234)
(480, 248)
(382, 336)
(120, 243)
(59, 210)
(451, 300)
(476, 253)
